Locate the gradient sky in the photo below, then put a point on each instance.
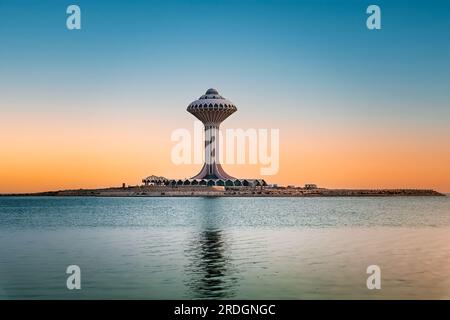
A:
(96, 107)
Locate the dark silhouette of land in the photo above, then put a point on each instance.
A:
(204, 191)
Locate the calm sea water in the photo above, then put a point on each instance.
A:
(200, 248)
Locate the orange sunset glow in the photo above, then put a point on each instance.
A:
(53, 153)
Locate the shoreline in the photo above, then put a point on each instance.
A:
(257, 192)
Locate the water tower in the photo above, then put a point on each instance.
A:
(211, 109)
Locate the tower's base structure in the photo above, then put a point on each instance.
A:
(211, 109)
(234, 182)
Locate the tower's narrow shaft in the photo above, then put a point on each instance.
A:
(212, 144)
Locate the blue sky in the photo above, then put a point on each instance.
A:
(311, 68)
(318, 51)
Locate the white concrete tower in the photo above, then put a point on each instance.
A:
(211, 109)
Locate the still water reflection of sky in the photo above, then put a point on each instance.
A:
(197, 248)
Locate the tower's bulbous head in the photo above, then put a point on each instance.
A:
(211, 107)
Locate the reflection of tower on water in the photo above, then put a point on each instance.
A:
(210, 273)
